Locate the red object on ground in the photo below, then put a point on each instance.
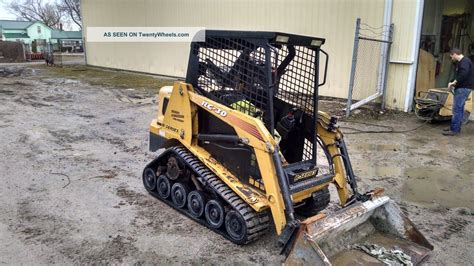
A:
(35, 56)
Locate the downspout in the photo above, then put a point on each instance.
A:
(414, 58)
(83, 32)
(387, 21)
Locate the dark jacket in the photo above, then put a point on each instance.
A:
(465, 74)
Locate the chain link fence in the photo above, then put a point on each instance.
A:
(371, 54)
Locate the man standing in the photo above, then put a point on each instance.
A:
(462, 86)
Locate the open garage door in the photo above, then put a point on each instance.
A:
(447, 24)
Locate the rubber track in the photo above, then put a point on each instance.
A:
(257, 222)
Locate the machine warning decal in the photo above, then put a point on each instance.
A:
(214, 109)
(177, 116)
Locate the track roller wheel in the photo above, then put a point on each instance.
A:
(196, 203)
(179, 192)
(214, 213)
(236, 226)
(163, 186)
(173, 168)
(149, 179)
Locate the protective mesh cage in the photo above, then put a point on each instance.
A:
(233, 71)
(297, 83)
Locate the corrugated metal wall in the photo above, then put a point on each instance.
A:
(331, 19)
(402, 53)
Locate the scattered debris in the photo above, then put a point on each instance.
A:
(393, 256)
(8, 72)
(108, 174)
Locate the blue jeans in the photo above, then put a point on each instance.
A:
(460, 97)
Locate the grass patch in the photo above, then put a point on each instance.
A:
(108, 78)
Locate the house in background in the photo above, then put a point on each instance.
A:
(34, 34)
(37, 36)
(67, 41)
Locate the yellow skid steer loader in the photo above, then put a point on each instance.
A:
(245, 146)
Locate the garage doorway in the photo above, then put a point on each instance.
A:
(447, 24)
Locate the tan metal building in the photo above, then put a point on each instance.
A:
(330, 19)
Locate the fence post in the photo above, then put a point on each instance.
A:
(23, 46)
(353, 67)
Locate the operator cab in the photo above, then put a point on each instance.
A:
(267, 75)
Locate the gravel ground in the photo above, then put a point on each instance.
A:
(71, 160)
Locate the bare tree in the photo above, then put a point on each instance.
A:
(36, 10)
(73, 9)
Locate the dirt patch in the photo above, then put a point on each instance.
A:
(86, 116)
(16, 71)
(108, 174)
(108, 78)
(50, 230)
(112, 251)
(37, 226)
(6, 92)
(434, 186)
(336, 107)
(66, 136)
(32, 101)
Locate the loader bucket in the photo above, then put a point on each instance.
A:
(331, 240)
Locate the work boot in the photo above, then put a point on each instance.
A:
(447, 129)
(450, 133)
